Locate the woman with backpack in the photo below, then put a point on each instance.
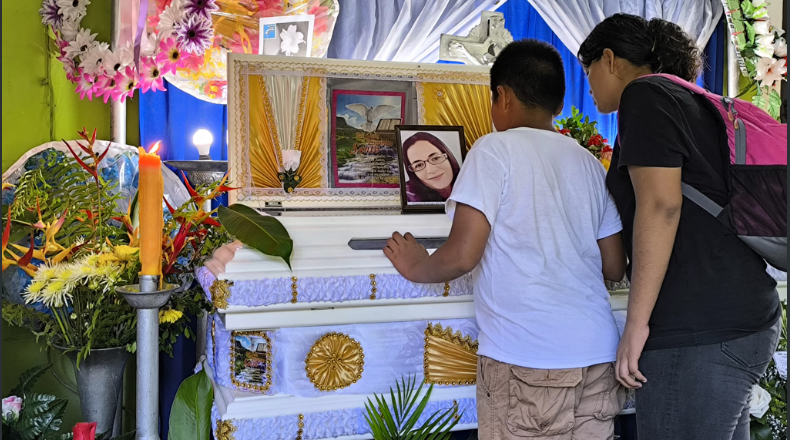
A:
(703, 315)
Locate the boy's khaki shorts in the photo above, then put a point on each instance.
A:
(516, 402)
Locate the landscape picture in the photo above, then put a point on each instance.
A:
(364, 154)
(250, 356)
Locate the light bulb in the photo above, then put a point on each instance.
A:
(202, 140)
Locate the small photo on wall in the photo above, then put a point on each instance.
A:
(430, 158)
(290, 35)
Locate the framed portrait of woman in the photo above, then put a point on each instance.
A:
(430, 158)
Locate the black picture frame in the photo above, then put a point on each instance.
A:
(452, 139)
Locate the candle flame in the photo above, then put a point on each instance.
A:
(155, 148)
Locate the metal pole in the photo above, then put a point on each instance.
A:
(147, 299)
(733, 70)
(117, 109)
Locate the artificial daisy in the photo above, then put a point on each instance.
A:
(151, 75)
(195, 34)
(50, 14)
(72, 71)
(117, 60)
(126, 81)
(73, 10)
(290, 40)
(92, 61)
(104, 86)
(149, 45)
(169, 56)
(169, 316)
(69, 30)
(170, 19)
(203, 8)
(83, 42)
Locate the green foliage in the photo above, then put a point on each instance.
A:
(41, 416)
(28, 380)
(264, 233)
(398, 420)
(190, 415)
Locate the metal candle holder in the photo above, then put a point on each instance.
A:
(147, 299)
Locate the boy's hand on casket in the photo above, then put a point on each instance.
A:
(405, 253)
(221, 257)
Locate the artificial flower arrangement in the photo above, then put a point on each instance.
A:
(184, 33)
(586, 134)
(81, 248)
(762, 51)
(770, 422)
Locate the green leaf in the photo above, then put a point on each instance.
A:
(264, 233)
(774, 104)
(28, 380)
(190, 416)
(41, 413)
(758, 431)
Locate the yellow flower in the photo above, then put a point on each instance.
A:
(606, 163)
(169, 316)
(125, 253)
(36, 286)
(54, 295)
(47, 272)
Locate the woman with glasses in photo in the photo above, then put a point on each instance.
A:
(431, 167)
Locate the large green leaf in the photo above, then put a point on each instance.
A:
(257, 231)
(41, 414)
(28, 380)
(190, 416)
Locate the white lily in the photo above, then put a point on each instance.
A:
(290, 40)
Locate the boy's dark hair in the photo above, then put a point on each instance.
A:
(533, 70)
(657, 44)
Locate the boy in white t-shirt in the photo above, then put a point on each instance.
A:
(534, 223)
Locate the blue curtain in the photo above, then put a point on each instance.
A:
(174, 116)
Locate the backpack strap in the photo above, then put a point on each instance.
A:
(700, 199)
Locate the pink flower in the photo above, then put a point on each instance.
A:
(104, 87)
(169, 56)
(126, 81)
(86, 86)
(191, 62)
(151, 75)
(12, 405)
(72, 71)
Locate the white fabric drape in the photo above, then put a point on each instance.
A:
(402, 30)
(285, 92)
(573, 20)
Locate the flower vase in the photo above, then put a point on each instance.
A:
(100, 385)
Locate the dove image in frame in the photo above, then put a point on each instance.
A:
(290, 35)
(363, 155)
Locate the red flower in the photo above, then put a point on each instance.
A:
(85, 431)
(606, 152)
(565, 131)
(596, 141)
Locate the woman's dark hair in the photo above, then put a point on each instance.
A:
(416, 191)
(658, 44)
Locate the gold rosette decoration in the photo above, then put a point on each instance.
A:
(450, 358)
(334, 361)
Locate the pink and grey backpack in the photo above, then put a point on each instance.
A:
(756, 177)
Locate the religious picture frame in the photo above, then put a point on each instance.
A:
(430, 159)
(362, 141)
(290, 35)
